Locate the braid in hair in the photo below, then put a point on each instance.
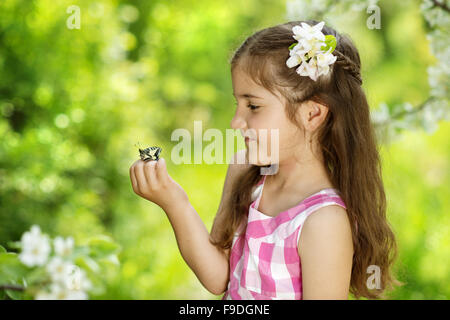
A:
(347, 64)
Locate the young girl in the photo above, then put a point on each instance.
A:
(317, 228)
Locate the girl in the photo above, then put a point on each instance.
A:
(317, 228)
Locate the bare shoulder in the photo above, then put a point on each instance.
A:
(333, 216)
(327, 226)
(326, 251)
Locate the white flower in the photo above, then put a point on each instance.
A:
(69, 282)
(308, 52)
(35, 247)
(44, 295)
(308, 69)
(63, 247)
(58, 269)
(312, 47)
(323, 62)
(60, 292)
(309, 32)
(77, 279)
(381, 114)
(294, 59)
(310, 38)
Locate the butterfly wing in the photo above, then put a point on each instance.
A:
(150, 153)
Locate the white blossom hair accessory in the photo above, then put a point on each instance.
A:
(313, 52)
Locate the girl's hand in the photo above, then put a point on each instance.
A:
(151, 181)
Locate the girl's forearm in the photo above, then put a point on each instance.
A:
(209, 264)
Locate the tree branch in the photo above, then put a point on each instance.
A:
(441, 5)
(419, 108)
(403, 113)
(11, 287)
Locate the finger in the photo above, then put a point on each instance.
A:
(136, 182)
(150, 174)
(161, 171)
(133, 178)
(141, 180)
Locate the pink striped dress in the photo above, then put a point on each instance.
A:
(264, 261)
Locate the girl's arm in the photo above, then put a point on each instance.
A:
(326, 253)
(211, 265)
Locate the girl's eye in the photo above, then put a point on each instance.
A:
(252, 107)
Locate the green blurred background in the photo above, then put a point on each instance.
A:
(74, 102)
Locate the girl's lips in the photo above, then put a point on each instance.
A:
(247, 140)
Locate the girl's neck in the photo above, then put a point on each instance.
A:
(306, 174)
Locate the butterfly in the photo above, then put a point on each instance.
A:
(150, 153)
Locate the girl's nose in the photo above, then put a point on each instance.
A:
(237, 122)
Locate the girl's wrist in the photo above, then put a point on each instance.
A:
(176, 206)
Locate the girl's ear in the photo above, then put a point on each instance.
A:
(311, 114)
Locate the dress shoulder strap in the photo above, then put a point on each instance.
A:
(326, 197)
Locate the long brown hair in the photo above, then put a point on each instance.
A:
(347, 141)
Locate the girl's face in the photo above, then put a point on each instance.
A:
(260, 116)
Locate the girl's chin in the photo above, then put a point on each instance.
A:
(254, 160)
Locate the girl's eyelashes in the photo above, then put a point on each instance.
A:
(250, 106)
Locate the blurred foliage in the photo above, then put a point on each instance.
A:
(56, 268)
(73, 103)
